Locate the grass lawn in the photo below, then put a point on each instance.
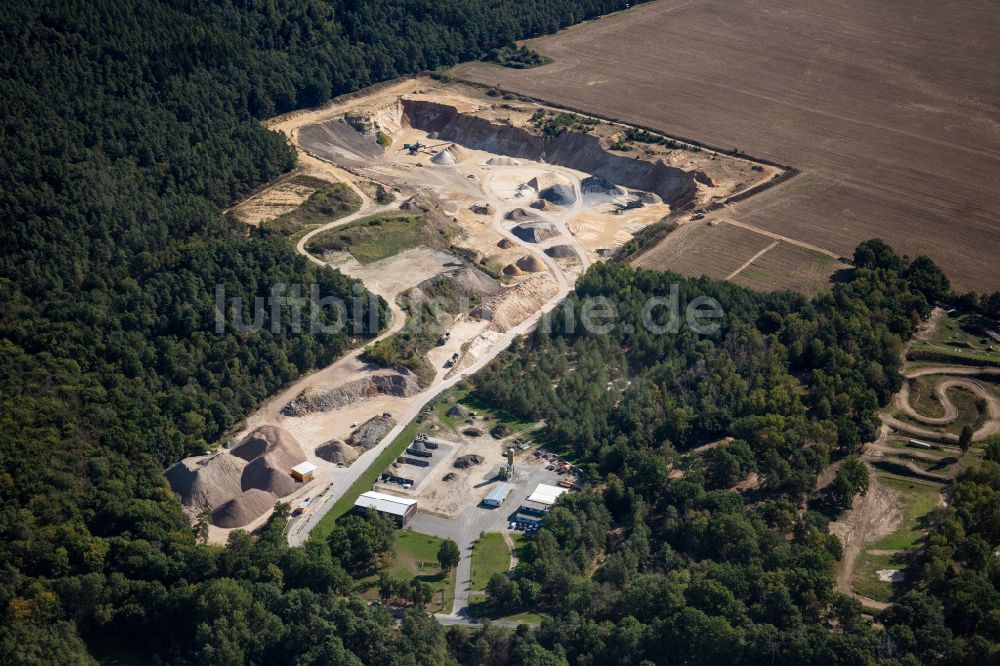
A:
(971, 410)
(968, 406)
(372, 238)
(866, 580)
(490, 555)
(481, 609)
(489, 413)
(922, 396)
(324, 206)
(959, 338)
(364, 482)
(916, 499)
(415, 556)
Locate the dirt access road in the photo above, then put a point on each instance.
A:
(888, 110)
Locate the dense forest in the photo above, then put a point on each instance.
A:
(128, 126)
(668, 563)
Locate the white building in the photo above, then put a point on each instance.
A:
(546, 494)
(496, 496)
(397, 508)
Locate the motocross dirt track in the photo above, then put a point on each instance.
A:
(891, 111)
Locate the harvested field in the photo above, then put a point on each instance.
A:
(786, 266)
(702, 249)
(890, 113)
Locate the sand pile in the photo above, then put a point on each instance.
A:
(601, 188)
(530, 264)
(465, 462)
(336, 451)
(502, 161)
(539, 183)
(559, 194)
(481, 208)
(243, 509)
(264, 439)
(206, 482)
(274, 453)
(458, 152)
(371, 432)
(648, 197)
(535, 232)
(520, 215)
(560, 252)
(505, 243)
(241, 484)
(542, 204)
(271, 472)
(512, 270)
(516, 303)
(327, 398)
(445, 158)
(467, 280)
(457, 411)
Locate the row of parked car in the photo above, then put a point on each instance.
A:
(523, 527)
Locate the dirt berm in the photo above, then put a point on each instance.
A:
(570, 149)
(371, 432)
(325, 398)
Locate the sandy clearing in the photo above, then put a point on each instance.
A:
(873, 515)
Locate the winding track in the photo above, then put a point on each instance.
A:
(902, 402)
(860, 528)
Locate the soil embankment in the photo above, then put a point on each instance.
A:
(569, 149)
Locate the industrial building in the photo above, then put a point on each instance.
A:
(546, 495)
(304, 471)
(534, 508)
(400, 510)
(497, 496)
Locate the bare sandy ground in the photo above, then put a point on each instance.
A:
(873, 515)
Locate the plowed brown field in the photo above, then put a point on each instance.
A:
(891, 110)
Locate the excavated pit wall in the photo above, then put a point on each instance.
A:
(569, 149)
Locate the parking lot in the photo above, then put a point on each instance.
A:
(465, 528)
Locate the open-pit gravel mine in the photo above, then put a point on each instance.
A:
(525, 196)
